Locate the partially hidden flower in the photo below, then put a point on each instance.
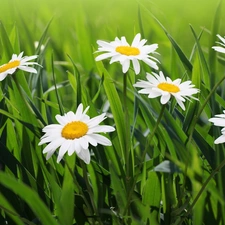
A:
(36, 45)
(18, 62)
(219, 120)
(120, 51)
(74, 133)
(222, 43)
(159, 85)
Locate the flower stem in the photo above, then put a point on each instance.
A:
(149, 139)
(90, 192)
(81, 192)
(148, 142)
(128, 134)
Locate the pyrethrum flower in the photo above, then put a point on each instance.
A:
(121, 51)
(222, 43)
(74, 133)
(18, 62)
(157, 85)
(219, 120)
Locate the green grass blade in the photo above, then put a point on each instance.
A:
(29, 196)
(203, 62)
(212, 52)
(10, 211)
(61, 109)
(187, 64)
(115, 105)
(65, 206)
(152, 196)
(7, 47)
(193, 105)
(34, 129)
(75, 82)
(14, 37)
(43, 37)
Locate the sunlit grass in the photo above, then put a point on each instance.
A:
(163, 166)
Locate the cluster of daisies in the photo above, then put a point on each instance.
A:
(75, 131)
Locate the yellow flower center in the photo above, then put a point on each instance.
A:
(127, 50)
(9, 65)
(75, 129)
(168, 87)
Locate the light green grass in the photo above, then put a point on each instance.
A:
(120, 185)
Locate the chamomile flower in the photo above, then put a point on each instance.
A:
(120, 51)
(74, 133)
(159, 85)
(219, 120)
(222, 43)
(18, 62)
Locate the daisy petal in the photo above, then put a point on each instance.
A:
(119, 50)
(158, 85)
(136, 66)
(85, 156)
(74, 134)
(125, 65)
(101, 139)
(28, 69)
(220, 139)
(165, 98)
(219, 49)
(18, 62)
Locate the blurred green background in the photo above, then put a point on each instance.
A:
(74, 22)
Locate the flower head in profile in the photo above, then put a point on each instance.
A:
(219, 120)
(222, 43)
(121, 51)
(18, 62)
(159, 85)
(74, 133)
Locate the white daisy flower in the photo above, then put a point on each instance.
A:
(121, 51)
(222, 43)
(74, 133)
(219, 120)
(18, 62)
(158, 85)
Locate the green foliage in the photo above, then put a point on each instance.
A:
(163, 167)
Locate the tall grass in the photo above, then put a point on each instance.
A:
(180, 178)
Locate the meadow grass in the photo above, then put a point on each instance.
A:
(163, 166)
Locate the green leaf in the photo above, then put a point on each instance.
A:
(14, 37)
(187, 64)
(203, 63)
(43, 37)
(29, 196)
(75, 82)
(152, 196)
(30, 126)
(193, 105)
(61, 109)
(212, 42)
(9, 210)
(65, 204)
(119, 189)
(7, 47)
(116, 107)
